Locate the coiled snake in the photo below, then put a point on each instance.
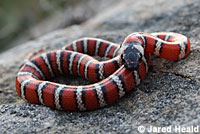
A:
(127, 66)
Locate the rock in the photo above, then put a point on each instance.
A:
(168, 96)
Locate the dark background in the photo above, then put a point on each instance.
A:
(24, 20)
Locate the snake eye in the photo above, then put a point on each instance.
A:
(122, 59)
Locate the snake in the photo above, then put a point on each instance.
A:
(126, 65)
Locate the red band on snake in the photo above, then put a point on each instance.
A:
(127, 66)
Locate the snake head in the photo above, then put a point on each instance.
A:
(131, 55)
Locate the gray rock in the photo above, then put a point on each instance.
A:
(168, 96)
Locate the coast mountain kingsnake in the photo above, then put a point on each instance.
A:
(127, 66)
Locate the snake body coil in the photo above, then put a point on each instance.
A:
(125, 69)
